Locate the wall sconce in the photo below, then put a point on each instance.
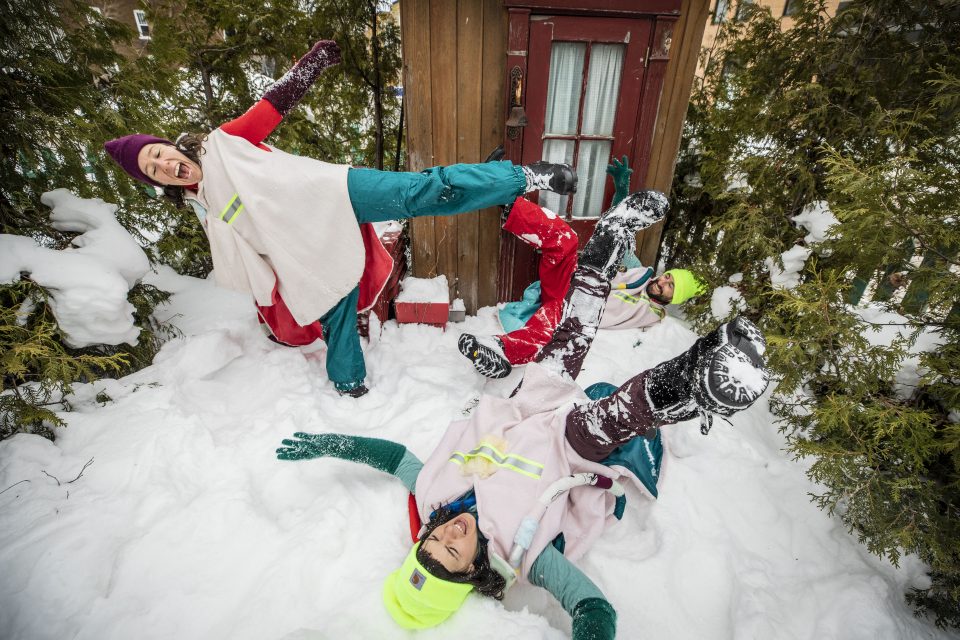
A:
(518, 117)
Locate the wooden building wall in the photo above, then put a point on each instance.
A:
(454, 59)
(454, 64)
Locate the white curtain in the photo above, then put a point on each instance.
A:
(599, 111)
(563, 90)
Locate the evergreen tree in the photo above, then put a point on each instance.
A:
(64, 90)
(859, 111)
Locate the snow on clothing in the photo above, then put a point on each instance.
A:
(544, 230)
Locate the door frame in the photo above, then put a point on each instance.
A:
(518, 262)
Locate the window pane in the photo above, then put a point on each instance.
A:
(563, 90)
(592, 174)
(720, 12)
(603, 89)
(557, 151)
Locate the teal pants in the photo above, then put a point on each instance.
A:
(377, 196)
(439, 191)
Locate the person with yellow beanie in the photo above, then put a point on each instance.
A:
(637, 299)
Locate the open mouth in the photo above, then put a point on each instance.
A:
(461, 526)
(183, 171)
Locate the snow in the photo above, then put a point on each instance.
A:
(793, 260)
(424, 290)
(816, 218)
(887, 327)
(724, 301)
(88, 284)
(186, 526)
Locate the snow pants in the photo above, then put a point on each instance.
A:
(595, 429)
(378, 196)
(558, 245)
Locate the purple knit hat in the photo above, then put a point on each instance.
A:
(125, 150)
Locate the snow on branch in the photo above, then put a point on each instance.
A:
(87, 283)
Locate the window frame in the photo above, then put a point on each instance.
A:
(140, 18)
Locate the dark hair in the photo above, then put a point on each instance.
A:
(483, 577)
(190, 145)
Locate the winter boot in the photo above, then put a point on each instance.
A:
(354, 391)
(614, 234)
(485, 354)
(559, 178)
(723, 372)
(496, 155)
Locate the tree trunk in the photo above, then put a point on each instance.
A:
(396, 157)
(377, 86)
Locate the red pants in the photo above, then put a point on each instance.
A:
(558, 244)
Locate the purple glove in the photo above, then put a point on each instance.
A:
(286, 92)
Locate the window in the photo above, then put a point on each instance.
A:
(720, 11)
(791, 7)
(580, 117)
(143, 27)
(742, 10)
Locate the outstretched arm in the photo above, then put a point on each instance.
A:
(620, 171)
(262, 118)
(593, 617)
(383, 455)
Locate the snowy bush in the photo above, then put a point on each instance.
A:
(846, 131)
(73, 314)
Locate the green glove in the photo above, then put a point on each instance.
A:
(594, 619)
(375, 452)
(620, 171)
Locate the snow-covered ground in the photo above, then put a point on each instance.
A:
(186, 526)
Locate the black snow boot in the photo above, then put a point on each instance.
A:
(487, 359)
(614, 234)
(559, 178)
(723, 372)
(496, 155)
(355, 392)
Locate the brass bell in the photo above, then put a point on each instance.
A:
(518, 117)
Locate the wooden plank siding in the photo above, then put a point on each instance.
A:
(453, 52)
(677, 84)
(418, 94)
(456, 57)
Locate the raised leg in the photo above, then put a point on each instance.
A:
(722, 373)
(584, 303)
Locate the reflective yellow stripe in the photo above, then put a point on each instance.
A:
(521, 465)
(626, 297)
(629, 299)
(232, 210)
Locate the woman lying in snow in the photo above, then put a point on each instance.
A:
(295, 231)
(636, 300)
(534, 453)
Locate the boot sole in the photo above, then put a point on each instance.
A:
(485, 360)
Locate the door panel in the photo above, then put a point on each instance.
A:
(585, 80)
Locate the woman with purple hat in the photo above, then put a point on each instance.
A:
(295, 231)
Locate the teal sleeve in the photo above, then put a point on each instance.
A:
(593, 617)
(408, 469)
(378, 453)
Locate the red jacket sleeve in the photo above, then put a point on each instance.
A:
(256, 124)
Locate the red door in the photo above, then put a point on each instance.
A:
(588, 99)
